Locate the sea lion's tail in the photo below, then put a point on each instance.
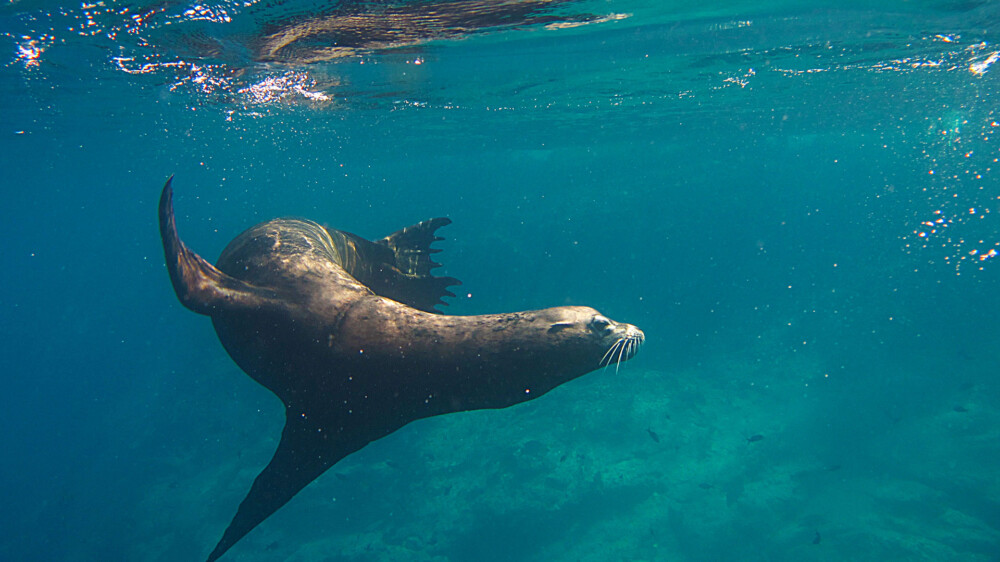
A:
(199, 285)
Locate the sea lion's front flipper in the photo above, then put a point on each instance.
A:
(306, 450)
(199, 285)
(412, 282)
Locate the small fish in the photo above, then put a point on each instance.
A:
(816, 539)
(706, 486)
(653, 435)
(960, 409)
(755, 437)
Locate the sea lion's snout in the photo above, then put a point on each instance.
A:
(612, 341)
(633, 332)
(625, 341)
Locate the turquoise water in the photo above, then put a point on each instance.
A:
(799, 206)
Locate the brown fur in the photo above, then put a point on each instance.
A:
(352, 365)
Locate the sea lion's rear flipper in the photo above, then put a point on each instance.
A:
(199, 285)
(306, 450)
(410, 281)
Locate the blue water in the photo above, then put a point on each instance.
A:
(797, 205)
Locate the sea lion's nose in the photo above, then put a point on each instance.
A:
(634, 332)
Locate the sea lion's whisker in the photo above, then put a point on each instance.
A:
(603, 357)
(625, 348)
(621, 349)
(608, 355)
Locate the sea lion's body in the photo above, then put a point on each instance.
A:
(306, 312)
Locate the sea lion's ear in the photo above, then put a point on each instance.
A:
(199, 285)
(560, 326)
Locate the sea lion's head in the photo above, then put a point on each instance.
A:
(590, 336)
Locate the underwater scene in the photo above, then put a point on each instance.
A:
(797, 203)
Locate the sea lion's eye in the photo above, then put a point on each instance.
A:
(600, 324)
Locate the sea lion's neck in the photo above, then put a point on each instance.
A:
(459, 362)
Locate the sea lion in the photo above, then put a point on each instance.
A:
(344, 331)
